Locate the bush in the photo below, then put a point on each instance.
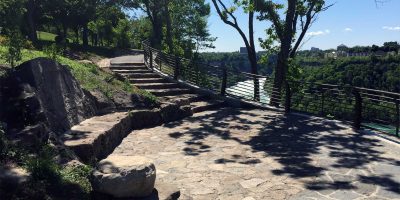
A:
(52, 52)
(14, 47)
(3, 40)
(43, 166)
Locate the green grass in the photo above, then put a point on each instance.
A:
(89, 75)
(48, 180)
(45, 36)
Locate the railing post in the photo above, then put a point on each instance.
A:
(397, 117)
(177, 68)
(322, 101)
(224, 79)
(288, 98)
(159, 61)
(151, 59)
(357, 109)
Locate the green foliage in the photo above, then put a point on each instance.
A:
(43, 166)
(11, 15)
(52, 51)
(14, 44)
(123, 34)
(52, 179)
(78, 175)
(370, 72)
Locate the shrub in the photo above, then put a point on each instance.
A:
(14, 47)
(3, 40)
(43, 166)
(78, 175)
(52, 52)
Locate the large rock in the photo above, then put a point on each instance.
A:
(124, 176)
(171, 112)
(42, 90)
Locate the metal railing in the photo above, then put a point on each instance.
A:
(374, 109)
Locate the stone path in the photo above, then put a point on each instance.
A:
(255, 154)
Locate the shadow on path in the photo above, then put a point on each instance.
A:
(305, 146)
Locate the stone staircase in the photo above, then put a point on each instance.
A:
(166, 90)
(95, 138)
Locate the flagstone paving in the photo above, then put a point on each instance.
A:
(257, 154)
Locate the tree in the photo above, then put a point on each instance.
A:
(11, 15)
(289, 28)
(189, 27)
(227, 16)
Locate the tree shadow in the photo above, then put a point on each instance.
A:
(305, 146)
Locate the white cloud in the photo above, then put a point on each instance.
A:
(317, 33)
(348, 30)
(391, 28)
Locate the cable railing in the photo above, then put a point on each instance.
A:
(373, 109)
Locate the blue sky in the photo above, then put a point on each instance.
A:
(350, 22)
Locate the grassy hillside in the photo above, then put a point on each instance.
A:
(89, 75)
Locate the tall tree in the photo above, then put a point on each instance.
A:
(168, 23)
(189, 27)
(289, 28)
(31, 15)
(227, 16)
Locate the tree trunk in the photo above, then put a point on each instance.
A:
(76, 35)
(284, 53)
(155, 14)
(31, 21)
(254, 70)
(169, 27)
(156, 38)
(278, 81)
(85, 35)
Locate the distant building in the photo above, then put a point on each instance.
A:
(358, 54)
(243, 50)
(331, 55)
(380, 53)
(315, 49)
(392, 53)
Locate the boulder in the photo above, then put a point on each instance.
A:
(124, 176)
(103, 103)
(43, 88)
(30, 136)
(172, 112)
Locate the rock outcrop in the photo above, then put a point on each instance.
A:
(124, 176)
(43, 91)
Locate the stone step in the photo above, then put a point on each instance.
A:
(97, 137)
(170, 92)
(132, 71)
(127, 64)
(148, 80)
(128, 67)
(183, 98)
(201, 106)
(146, 86)
(141, 76)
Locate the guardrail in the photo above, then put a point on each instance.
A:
(369, 108)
